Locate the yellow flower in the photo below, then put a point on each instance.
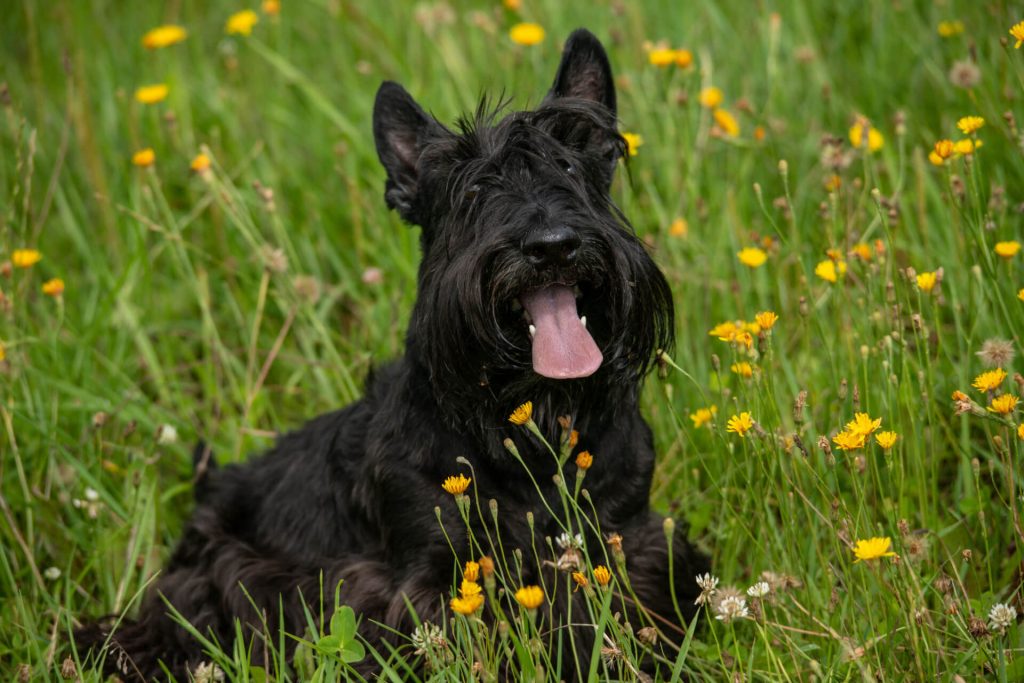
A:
(634, 141)
(512, 5)
(456, 485)
(1017, 31)
(486, 565)
(967, 146)
(584, 460)
(943, 150)
(144, 157)
(989, 381)
(574, 438)
(151, 94)
(875, 139)
(752, 257)
(271, 7)
(873, 548)
(581, 579)
(861, 251)
(54, 287)
(530, 597)
(849, 441)
(241, 23)
(1020, 427)
(740, 424)
(684, 58)
(1020, 294)
(602, 575)
(727, 122)
(1003, 405)
(662, 57)
(472, 571)
(743, 369)
(766, 319)
(725, 331)
(1007, 249)
(469, 588)
(25, 258)
(526, 34)
(830, 270)
(948, 29)
(970, 124)
(863, 424)
(467, 606)
(522, 414)
(960, 396)
(711, 97)
(200, 163)
(163, 36)
(703, 416)
(926, 281)
(679, 228)
(886, 439)
(3, 352)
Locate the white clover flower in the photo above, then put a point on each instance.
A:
(91, 494)
(208, 672)
(731, 608)
(52, 573)
(565, 542)
(166, 435)
(707, 584)
(428, 636)
(759, 589)
(1001, 616)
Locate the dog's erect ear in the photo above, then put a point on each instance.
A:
(584, 71)
(401, 129)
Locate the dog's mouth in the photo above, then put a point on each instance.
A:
(562, 346)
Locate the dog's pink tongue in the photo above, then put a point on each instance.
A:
(562, 347)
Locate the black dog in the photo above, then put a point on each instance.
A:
(534, 287)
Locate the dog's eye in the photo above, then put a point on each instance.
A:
(570, 169)
(472, 192)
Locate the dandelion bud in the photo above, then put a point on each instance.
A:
(757, 193)
(876, 194)
(976, 466)
(668, 525)
(586, 494)
(437, 513)
(716, 363)
(510, 446)
(783, 168)
(529, 519)
(486, 566)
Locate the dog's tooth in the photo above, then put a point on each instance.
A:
(533, 330)
(583, 320)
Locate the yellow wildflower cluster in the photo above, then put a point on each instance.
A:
(944, 150)
(863, 134)
(471, 597)
(633, 143)
(726, 124)
(831, 270)
(737, 332)
(857, 431)
(662, 57)
(526, 33)
(950, 28)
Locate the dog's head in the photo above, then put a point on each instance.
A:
(532, 283)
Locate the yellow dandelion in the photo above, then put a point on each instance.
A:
(522, 414)
(144, 157)
(967, 146)
(512, 5)
(725, 331)
(602, 575)
(580, 579)
(684, 58)
(526, 34)
(727, 122)
(948, 29)
(926, 281)
(467, 606)
(873, 548)
(1007, 249)
(766, 320)
(970, 124)
(943, 149)
(200, 163)
(530, 597)
(679, 228)
(54, 287)
(740, 424)
(472, 571)
(743, 369)
(849, 441)
(151, 94)
(1004, 404)
(662, 57)
(886, 439)
(875, 139)
(863, 424)
(634, 141)
(574, 438)
(989, 381)
(1020, 427)
(1020, 294)
(163, 36)
(469, 588)
(711, 97)
(1017, 31)
(584, 460)
(271, 7)
(241, 23)
(25, 258)
(827, 270)
(703, 416)
(752, 257)
(456, 485)
(862, 251)
(960, 396)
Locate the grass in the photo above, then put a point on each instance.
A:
(179, 318)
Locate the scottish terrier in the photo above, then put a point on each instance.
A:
(533, 286)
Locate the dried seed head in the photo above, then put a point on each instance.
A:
(68, 670)
(996, 352)
(977, 627)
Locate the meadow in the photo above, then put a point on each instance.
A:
(832, 189)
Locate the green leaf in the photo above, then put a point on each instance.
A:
(329, 644)
(352, 652)
(343, 623)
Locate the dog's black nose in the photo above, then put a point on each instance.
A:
(552, 246)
